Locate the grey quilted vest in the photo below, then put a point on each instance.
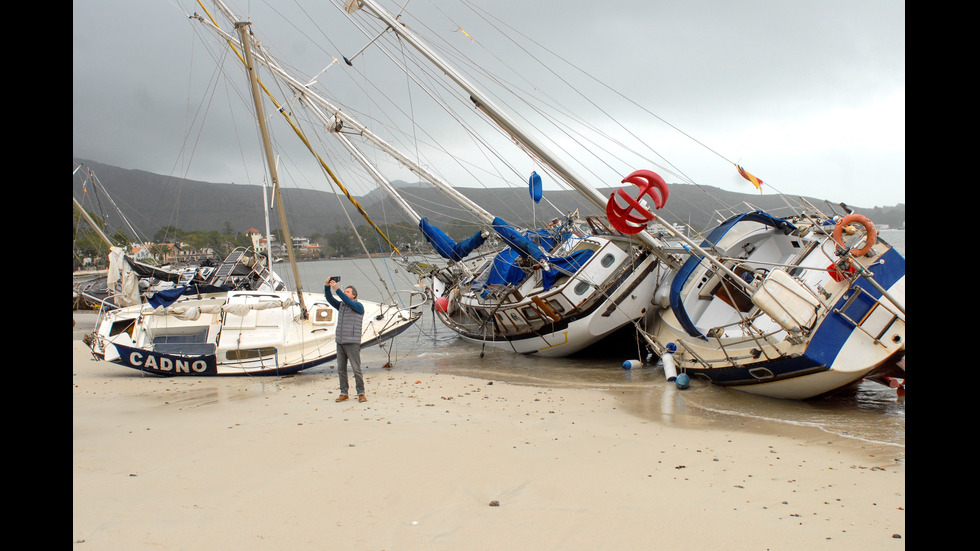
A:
(348, 325)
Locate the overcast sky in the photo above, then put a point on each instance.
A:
(809, 96)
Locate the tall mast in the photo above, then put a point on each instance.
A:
(378, 177)
(318, 104)
(92, 223)
(242, 28)
(268, 232)
(486, 105)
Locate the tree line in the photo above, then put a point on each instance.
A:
(340, 243)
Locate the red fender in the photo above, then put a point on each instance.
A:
(837, 275)
(871, 233)
(623, 218)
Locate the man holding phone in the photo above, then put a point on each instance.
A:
(349, 324)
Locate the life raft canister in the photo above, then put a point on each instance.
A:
(870, 238)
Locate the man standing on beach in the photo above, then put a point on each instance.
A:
(351, 314)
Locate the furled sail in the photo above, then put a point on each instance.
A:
(445, 246)
(517, 240)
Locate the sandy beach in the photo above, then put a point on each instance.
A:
(437, 461)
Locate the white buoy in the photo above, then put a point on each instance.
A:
(630, 364)
(670, 369)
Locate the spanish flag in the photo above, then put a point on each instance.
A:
(745, 174)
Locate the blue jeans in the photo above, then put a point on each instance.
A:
(352, 352)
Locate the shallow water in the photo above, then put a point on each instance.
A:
(870, 414)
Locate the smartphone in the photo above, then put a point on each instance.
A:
(335, 278)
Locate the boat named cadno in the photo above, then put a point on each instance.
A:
(234, 333)
(237, 332)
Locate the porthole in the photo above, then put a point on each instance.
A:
(761, 373)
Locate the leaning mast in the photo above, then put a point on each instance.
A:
(488, 107)
(242, 28)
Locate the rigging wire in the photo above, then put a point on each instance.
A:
(426, 69)
(579, 70)
(295, 125)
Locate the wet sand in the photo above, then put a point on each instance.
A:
(436, 461)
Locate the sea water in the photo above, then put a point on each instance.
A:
(871, 415)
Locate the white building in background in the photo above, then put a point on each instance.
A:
(262, 243)
(259, 242)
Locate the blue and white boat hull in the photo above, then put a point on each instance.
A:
(815, 334)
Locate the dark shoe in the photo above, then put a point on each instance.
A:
(341, 398)
(361, 398)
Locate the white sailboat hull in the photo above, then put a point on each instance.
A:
(597, 301)
(238, 333)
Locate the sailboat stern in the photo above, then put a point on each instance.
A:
(804, 333)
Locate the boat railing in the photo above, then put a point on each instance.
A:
(412, 305)
(412, 310)
(764, 346)
(857, 293)
(242, 270)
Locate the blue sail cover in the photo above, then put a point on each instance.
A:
(505, 270)
(547, 238)
(167, 297)
(445, 246)
(516, 240)
(565, 265)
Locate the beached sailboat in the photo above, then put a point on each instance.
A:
(795, 308)
(550, 291)
(188, 332)
(128, 281)
(806, 316)
(790, 307)
(235, 333)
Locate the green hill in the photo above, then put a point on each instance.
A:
(151, 201)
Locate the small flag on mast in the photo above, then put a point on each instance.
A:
(745, 174)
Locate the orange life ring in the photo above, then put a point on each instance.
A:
(871, 236)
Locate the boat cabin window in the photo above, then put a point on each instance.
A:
(530, 313)
(185, 334)
(250, 353)
(125, 326)
(187, 341)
